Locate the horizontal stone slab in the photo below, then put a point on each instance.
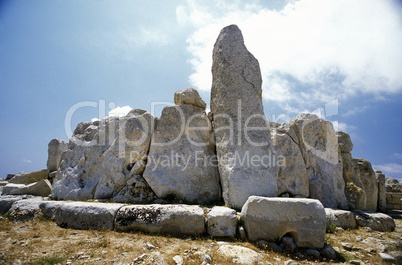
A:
(376, 221)
(272, 218)
(177, 219)
(86, 215)
(340, 218)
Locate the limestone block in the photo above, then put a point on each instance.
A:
(174, 219)
(25, 210)
(271, 218)
(376, 221)
(340, 218)
(369, 182)
(86, 215)
(103, 155)
(6, 201)
(247, 162)
(239, 254)
(56, 148)
(189, 96)
(381, 199)
(181, 163)
(344, 142)
(28, 178)
(221, 222)
(41, 188)
(319, 145)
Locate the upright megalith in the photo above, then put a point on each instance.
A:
(182, 162)
(319, 145)
(247, 164)
(56, 148)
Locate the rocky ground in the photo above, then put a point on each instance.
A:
(43, 242)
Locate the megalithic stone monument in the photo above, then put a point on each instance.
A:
(247, 164)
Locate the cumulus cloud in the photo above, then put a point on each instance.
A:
(309, 51)
(393, 170)
(119, 111)
(397, 156)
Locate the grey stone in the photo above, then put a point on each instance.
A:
(156, 218)
(189, 96)
(181, 162)
(328, 252)
(25, 210)
(103, 155)
(86, 215)
(247, 163)
(221, 222)
(272, 218)
(393, 185)
(239, 254)
(56, 148)
(6, 201)
(242, 233)
(382, 200)
(387, 258)
(375, 221)
(319, 145)
(275, 247)
(340, 218)
(178, 260)
(49, 208)
(288, 243)
(344, 142)
(354, 188)
(292, 176)
(41, 188)
(313, 253)
(291, 262)
(28, 178)
(369, 182)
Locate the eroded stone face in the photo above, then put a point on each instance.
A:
(181, 164)
(272, 218)
(155, 218)
(103, 156)
(319, 146)
(247, 162)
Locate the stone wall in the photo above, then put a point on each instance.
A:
(394, 200)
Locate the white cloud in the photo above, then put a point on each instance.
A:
(309, 51)
(119, 111)
(28, 161)
(396, 156)
(390, 168)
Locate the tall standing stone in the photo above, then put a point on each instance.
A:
(247, 164)
(319, 146)
(56, 148)
(181, 162)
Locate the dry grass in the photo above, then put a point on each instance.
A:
(43, 242)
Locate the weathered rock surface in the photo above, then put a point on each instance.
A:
(319, 146)
(369, 182)
(239, 254)
(340, 218)
(103, 156)
(41, 188)
(393, 185)
(86, 215)
(49, 208)
(182, 162)
(156, 218)
(272, 218)
(6, 201)
(221, 222)
(344, 142)
(247, 163)
(381, 200)
(376, 221)
(25, 210)
(292, 176)
(56, 148)
(189, 96)
(354, 189)
(28, 178)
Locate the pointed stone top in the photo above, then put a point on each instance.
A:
(230, 34)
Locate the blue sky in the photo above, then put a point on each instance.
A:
(102, 55)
